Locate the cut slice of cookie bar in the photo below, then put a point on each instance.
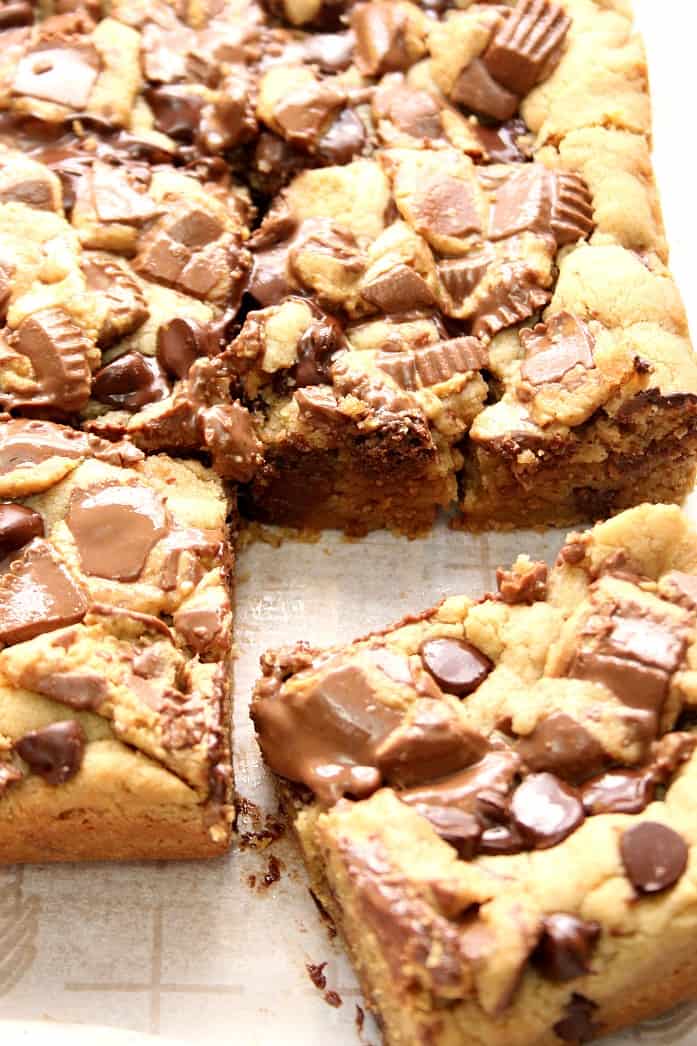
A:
(495, 799)
(115, 640)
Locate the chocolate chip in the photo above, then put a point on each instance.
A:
(456, 665)
(344, 138)
(545, 810)
(619, 792)
(319, 343)
(565, 947)
(179, 342)
(177, 112)
(18, 525)
(654, 856)
(55, 752)
(577, 1024)
(460, 829)
(13, 15)
(130, 382)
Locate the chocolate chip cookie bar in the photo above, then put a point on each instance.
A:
(115, 642)
(366, 259)
(495, 799)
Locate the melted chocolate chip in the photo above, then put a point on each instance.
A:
(545, 810)
(320, 342)
(55, 752)
(654, 856)
(18, 525)
(179, 342)
(619, 792)
(177, 112)
(460, 829)
(456, 665)
(577, 1024)
(130, 382)
(565, 947)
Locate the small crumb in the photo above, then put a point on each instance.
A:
(360, 1018)
(251, 881)
(316, 974)
(333, 999)
(272, 873)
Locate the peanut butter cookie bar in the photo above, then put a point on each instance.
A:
(115, 639)
(495, 798)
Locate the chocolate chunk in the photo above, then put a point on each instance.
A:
(414, 112)
(398, 289)
(125, 302)
(176, 110)
(430, 744)
(423, 368)
(527, 45)
(633, 654)
(32, 192)
(18, 525)
(230, 436)
(55, 752)
(476, 89)
(554, 348)
(460, 829)
(116, 199)
(654, 856)
(181, 341)
(461, 276)
(619, 791)
(577, 1024)
(381, 38)
(456, 665)
(522, 586)
(344, 138)
(489, 778)
(514, 297)
(545, 810)
(331, 52)
(115, 528)
(445, 206)
(316, 349)
(563, 747)
(57, 349)
(503, 144)
(64, 73)
(565, 947)
(327, 735)
(571, 218)
(302, 115)
(130, 381)
(38, 594)
(205, 629)
(523, 202)
(318, 404)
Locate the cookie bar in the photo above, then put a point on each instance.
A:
(115, 644)
(495, 798)
(367, 260)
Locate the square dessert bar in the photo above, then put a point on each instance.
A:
(496, 799)
(366, 259)
(115, 640)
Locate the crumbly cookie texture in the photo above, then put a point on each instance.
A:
(367, 259)
(115, 643)
(494, 797)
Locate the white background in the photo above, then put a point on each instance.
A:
(189, 951)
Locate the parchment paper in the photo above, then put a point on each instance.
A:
(193, 952)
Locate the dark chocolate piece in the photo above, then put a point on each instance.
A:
(565, 947)
(654, 856)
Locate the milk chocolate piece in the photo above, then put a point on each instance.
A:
(527, 45)
(328, 736)
(343, 139)
(554, 348)
(117, 200)
(130, 382)
(461, 276)
(513, 298)
(303, 114)
(398, 289)
(18, 525)
(545, 810)
(57, 349)
(412, 111)
(476, 89)
(230, 436)
(54, 752)
(620, 791)
(176, 110)
(445, 206)
(115, 528)
(58, 71)
(127, 309)
(24, 443)
(316, 348)
(381, 38)
(16, 13)
(654, 856)
(423, 368)
(180, 341)
(684, 586)
(431, 744)
(38, 594)
(577, 1024)
(563, 747)
(565, 947)
(456, 665)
